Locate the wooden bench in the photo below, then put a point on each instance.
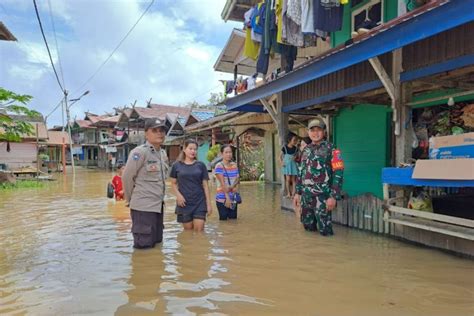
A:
(443, 224)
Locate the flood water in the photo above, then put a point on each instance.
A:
(66, 249)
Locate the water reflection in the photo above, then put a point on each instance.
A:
(184, 277)
(66, 249)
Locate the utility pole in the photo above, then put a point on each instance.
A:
(68, 117)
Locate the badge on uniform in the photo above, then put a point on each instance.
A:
(336, 162)
(136, 156)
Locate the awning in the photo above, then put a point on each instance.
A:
(436, 17)
(232, 55)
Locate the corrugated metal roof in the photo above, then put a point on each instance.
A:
(203, 115)
(209, 122)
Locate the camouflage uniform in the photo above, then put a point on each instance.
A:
(319, 178)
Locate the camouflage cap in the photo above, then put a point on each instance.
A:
(317, 122)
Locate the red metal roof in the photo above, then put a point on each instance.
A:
(84, 123)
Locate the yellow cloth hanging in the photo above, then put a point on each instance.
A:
(251, 48)
(279, 14)
(344, 1)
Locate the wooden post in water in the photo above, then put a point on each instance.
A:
(63, 156)
(37, 154)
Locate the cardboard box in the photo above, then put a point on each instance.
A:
(444, 169)
(452, 147)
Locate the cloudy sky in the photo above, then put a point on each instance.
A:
(168, 57)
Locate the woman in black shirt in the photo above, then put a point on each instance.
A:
(189, 180)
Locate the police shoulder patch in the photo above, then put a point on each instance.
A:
(136, 156)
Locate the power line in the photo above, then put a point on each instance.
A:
(47, 47)
(56, 42)
(215, 87)
(116, 48)
(55, 108)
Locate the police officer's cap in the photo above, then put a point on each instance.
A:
(317, 122)
(154, 123)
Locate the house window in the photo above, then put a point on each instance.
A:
(368, 15)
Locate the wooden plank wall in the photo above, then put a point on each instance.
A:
(362, 212)
(339, 80)
(444, 46)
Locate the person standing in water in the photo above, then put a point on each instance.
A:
(288, 163)
(117, 183)
(227, 174)
(144, 186)
(189, 181)
(319, 181)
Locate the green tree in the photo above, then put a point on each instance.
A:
(11, 129)
(216, 98)
(217, 102)
(213, 152)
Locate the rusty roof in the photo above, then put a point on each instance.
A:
(5, 34)
(110, 119)
(56, 138)
(165, 109)
(84, 123)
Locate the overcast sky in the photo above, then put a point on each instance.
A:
(169, 56)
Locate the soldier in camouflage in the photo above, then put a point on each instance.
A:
(319, 180)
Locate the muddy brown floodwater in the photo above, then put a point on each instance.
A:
(66, 249)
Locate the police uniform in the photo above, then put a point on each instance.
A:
(144, 189)
(319, 178)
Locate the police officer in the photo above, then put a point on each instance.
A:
(319, 180)
(144, 186)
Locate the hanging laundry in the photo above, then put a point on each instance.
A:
(248, 24)
(291, 32)
(241, 85)
(279, 17)
(327, 17)
(251, 47)
(310, 40)
(307, 20)
(293, 11)
(229, 86)
(251, 82)
(264, 55)
(267, 19)
(289, 54)
(275, 46)
(258, 18)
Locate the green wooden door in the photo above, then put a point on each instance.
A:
(362, 134)
(202, 152)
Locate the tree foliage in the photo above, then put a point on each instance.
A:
(216, 98)
(213, 152)
(11, 103)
